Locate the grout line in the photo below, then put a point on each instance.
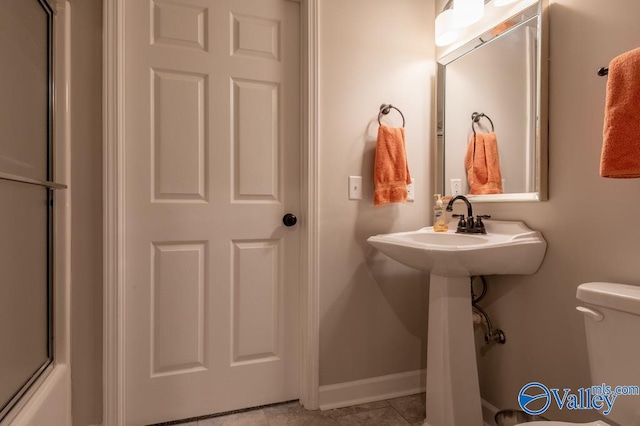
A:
(389, 405)
(400, 414)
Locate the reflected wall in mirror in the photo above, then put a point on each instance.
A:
(502, 74)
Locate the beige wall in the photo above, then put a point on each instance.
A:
(373, 310)
(588, 221)
(86, 211)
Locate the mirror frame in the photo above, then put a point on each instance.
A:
(538, 9)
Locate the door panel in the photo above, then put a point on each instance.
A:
(255, 308)
(255, 138)
(177, 308)
(212, 164)
(178, 135)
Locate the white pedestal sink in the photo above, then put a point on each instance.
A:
(453, 392)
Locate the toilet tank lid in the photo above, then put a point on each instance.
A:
(622, 297)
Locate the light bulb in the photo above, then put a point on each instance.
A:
(466, 12)
(446, 33)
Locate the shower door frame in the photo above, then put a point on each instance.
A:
(48, 399)
(114, 233)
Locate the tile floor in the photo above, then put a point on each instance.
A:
(404, 411)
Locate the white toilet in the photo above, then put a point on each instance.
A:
(612, 322)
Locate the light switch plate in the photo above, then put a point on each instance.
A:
(355, 187)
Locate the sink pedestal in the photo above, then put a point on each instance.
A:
(453, 390)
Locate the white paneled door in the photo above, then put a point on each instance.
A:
(212, 159)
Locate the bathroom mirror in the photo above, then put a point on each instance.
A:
(502, 73)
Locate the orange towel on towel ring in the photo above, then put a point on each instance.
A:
(390, 170)
(621, 134)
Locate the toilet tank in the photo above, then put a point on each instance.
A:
(612, 324)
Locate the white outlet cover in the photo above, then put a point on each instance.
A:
(456, 187)
(411, 191)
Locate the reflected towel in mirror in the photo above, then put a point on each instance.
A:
(483, 164)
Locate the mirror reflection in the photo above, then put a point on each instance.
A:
(490, 124)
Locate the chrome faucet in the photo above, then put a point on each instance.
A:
(468, 225)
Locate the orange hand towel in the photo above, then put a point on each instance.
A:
(483, 164)
(621, 144)
(390, 169)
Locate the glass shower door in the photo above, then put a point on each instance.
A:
(24, 288)
(26, 196)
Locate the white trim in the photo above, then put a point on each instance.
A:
(372, 389)
(113, 140)
(49, 403)
(310, 294)
(114, 116)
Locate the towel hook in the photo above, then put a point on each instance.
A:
(475, 118)
(603, 71)
(385, 109)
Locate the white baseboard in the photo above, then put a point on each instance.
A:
(374, 389)
(489, 413)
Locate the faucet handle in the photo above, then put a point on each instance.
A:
(480, 224)
(462, 223)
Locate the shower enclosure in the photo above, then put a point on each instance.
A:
(26, 196)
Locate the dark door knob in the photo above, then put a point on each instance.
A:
(289, 219)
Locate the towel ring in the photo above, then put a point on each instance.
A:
(475, 118)
(385, 109)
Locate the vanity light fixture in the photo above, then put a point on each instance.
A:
(504, 2)
(455, 15)
(467, 12)
(446, 31)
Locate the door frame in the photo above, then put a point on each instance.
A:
(114, 208)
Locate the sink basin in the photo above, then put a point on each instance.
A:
(509, 247)
(453, 390)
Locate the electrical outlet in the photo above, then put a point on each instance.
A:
(456, 187)
(411, 191)
(355, 187)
